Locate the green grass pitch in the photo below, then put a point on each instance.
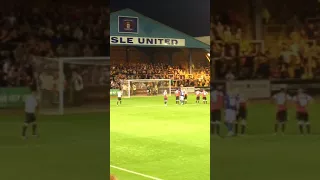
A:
(142, 141)
(167, 143)
(263, 156)
(70, 147)
(164, 142)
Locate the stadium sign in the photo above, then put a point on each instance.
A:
(254, 89)
(114, 92)
(251, 89)
(147, 41)
(312, 87)
(189, 89)
(13, 97)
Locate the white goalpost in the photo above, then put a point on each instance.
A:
(145, 87)
(79, 84)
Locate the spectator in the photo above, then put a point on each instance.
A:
(230, 76)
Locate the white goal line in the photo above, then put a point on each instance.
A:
(135, 173)
(169, 105)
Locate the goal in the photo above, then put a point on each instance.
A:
(145, 87)
(73, 84)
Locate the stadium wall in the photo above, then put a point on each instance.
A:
(13, 97)
(259, 89)
(193, 88)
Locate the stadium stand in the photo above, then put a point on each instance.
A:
(130, 62)
(48, 29)
(290, 42)
(180, 76)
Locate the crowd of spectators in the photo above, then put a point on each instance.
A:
(179, 76)
(294, 54)
(52, 30)
(226, 29)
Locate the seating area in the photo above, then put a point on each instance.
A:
(51, 29)
(289, 48)
(178, 75)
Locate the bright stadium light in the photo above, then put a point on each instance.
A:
(208, 56)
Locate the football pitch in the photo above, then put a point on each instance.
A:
(264, 156)
(153, 141)
(70, 147)
(150, 141)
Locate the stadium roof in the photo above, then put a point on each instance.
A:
(130, 28)
(204, 39)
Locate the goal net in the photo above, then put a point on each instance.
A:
(73, 85)
(145, 87)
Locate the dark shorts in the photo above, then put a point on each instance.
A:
(165, 99)
(282, 116)
(198, 98)
(30, 118)
(177, 98)
(119, 98)
(302, 116)
(242, 113)
(204, 98)
(215, 115)
(185, 96)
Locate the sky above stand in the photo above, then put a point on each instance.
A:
(188, 16)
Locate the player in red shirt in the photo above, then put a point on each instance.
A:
(302, 101)
(242, 115)
(281, 100)
(198, 94)
(165, 97)
(177, 93)
(204, 97)
(216, 105)
(185, 97)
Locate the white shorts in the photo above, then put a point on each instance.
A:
(181, 98)
(231, 115)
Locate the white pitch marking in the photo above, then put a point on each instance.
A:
(169, 105)
(136, 173)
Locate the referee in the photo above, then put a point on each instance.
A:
(31, 109)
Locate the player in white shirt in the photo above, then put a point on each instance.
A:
(302, 100)
(165, 97)
(281, 99)
(119, 98)
(198, 94)
(31, 110)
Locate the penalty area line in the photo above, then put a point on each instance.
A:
(170, 105)
(135, 173)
